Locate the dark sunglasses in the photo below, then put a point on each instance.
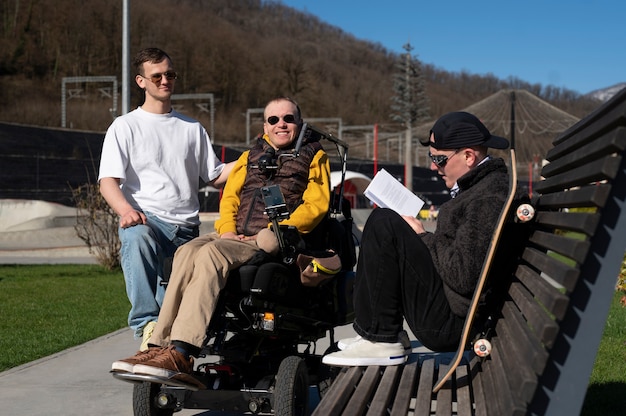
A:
(441, 160)
(287, 118)
(156, 78)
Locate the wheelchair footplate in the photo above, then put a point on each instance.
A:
(186, 381)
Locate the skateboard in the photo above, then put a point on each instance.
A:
(482, 347)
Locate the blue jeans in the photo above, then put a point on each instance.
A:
(395, 280)
(143, 250)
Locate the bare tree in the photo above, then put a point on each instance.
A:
(97, 225)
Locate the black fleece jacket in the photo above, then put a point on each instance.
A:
(465, 227)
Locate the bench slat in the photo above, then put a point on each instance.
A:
(493, 405)
(524, 382)
(508, 399)
(603, 118)
(583, 222)
(425, 387)
(463, 388)
(558, 271)
(444, 396)
(342, 388)
(543, 325)
(406, 387)
(360, 399)
(549, 296)
(480, 397)
(525, 341)
(574, 249)
(596, 171)
(385, 391)
(613, 137)
(586, 196)
(572, 152)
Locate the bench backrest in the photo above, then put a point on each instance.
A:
(557, 304)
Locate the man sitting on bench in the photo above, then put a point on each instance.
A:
(403, 272)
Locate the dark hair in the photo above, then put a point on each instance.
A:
(154, 55)
(291, 100)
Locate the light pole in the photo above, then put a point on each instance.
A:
(125, 56)
(408, 160)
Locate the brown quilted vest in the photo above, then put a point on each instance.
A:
(292, 177)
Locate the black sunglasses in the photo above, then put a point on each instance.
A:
(441, 160)
(287, 118)
(156, 78)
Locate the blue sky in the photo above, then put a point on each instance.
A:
(574, 44)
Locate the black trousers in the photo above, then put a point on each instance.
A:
(395, 280)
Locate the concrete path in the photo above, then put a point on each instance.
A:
(77, 382)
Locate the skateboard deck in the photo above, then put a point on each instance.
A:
(502, 219)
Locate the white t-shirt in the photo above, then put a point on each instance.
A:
(159, 159)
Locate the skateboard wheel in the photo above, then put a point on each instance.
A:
(525, 212)
(482, 348)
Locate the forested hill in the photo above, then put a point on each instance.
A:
(241, 51)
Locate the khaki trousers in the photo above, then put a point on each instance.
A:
(199, 273)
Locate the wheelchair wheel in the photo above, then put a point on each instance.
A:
(144, 400)
(291, 392)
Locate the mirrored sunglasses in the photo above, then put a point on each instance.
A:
(441, 160)
(287, 118)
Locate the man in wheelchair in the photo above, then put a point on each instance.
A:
(201, 267)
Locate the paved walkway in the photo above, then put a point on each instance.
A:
(73, 382)
(77, 382)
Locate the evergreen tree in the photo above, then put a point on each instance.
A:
(410, 104)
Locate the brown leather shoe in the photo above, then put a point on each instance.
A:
(126, 365)
(166, 364)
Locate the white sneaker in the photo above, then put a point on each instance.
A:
(403, 338)
(364, 352)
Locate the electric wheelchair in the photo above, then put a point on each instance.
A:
(260, 351)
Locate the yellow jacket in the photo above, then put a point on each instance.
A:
(305, 217)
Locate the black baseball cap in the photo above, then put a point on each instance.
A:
(459, 129)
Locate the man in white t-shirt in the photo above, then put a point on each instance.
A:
(152, 161)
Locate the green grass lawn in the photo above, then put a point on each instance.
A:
(607, 385)
(48, 308)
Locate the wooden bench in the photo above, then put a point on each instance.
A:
(555, 305)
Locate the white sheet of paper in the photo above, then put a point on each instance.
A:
(387, 192)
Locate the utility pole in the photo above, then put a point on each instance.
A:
(408, 151)
(125, 56)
